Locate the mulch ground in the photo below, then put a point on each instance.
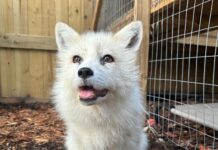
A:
(30, 126)
(37, 126)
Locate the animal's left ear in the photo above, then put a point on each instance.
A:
(131, 35)
(64, 36)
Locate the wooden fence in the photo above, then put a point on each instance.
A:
(27, 47)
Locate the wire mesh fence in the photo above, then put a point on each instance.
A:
(182, 90)
(113, 11)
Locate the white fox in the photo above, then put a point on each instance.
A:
(97, 91)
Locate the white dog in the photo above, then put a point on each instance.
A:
(97, 91)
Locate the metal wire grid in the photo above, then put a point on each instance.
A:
(182, 73)
(113, 10)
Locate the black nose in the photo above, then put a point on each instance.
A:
(85, 72)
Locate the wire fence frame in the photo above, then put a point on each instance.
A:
(111, 11)
(180, 70)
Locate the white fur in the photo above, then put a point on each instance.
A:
(115, 121)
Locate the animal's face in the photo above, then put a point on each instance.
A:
(97, 65)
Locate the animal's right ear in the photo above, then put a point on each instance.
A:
(64, 36)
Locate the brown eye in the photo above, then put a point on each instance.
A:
(107, 59)
(77, 59)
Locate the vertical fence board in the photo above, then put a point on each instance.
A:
(142, 12)
(23, 70)
(47, 7)
(7, 56)
(3, 16)
(18, 56)
(62, 10)
(48, 20)
(36, 64)
(87, 14)
(10, 53)
(75, 14)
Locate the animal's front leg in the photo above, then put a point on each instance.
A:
(135, 142)
(71, 143)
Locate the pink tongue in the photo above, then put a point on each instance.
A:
(86, 94)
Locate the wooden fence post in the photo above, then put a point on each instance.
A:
(142, 13)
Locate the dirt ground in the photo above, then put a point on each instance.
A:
(37, 126)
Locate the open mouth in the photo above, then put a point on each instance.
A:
(88, 94)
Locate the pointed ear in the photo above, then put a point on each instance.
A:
(64, 35)
(130, 35)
